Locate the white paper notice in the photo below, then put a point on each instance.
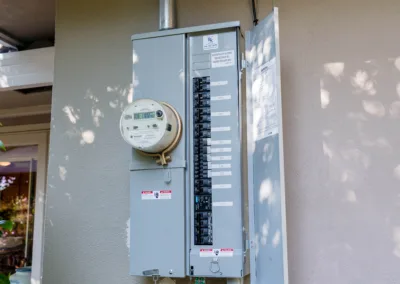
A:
(222, 59)
(265, 101)
(210, 42)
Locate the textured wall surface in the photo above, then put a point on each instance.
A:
(341, 99)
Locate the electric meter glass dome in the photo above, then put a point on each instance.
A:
(148, 125)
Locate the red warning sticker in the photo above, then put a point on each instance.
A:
(223, 252)
(156, 194)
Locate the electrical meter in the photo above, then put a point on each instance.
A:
(149, 126)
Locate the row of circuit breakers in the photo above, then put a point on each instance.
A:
(189, 174)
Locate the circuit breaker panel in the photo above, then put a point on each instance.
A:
(194, 167)
(218, 246)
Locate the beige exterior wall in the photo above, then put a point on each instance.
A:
(341, 104)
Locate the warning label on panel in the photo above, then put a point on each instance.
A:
(206, 253)
(156, 194)
(222, 59)
(223, 252)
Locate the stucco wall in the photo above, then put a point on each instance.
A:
(341, 90)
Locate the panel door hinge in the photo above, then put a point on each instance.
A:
(243, 63)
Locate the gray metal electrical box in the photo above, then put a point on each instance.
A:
(192, 216)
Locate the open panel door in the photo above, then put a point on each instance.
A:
(267, 212)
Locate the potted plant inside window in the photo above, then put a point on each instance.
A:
(5, 225)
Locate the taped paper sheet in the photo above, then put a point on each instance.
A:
(265, 101)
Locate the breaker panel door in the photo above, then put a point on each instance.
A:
(217, 245)
(267, 218)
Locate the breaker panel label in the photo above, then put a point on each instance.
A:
(156, 194)
(220, 129)
(223, 59)
(219, 83)
(223, 204)
(221, 98)
(221, 158)
(221, 113)
(223, 252)
(221, 186)
(221, 142)
(221, 150)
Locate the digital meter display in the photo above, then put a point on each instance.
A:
(144, 115)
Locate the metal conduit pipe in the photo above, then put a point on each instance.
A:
(167, 15)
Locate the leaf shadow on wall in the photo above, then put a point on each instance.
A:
(341, 105)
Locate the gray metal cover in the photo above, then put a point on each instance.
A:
(228, 210)
(196, 29)
(157, 230)
(265, 155)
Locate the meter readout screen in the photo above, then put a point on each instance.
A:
(144, 115)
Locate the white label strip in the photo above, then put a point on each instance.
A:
(221, 158)
(221, 150)
(221, 113)
(221, 142)
(223, 252)
(221, 98)
(220, 129)
(219, 83)
(221, 174)
(220, 166)
(156, 194)
(221, 186)
(223, 204)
